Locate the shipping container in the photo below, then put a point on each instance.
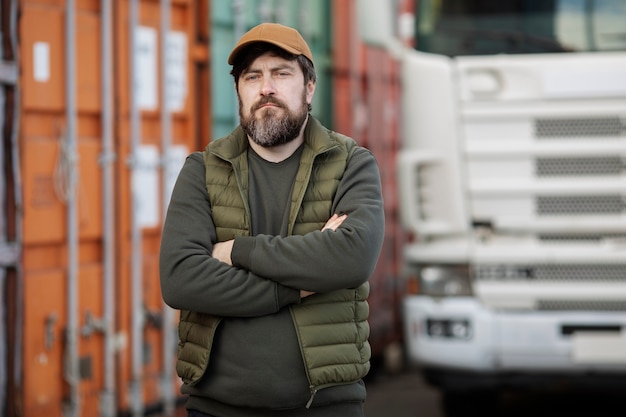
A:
(100, 103)
(93, 162)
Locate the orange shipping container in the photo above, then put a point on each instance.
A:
(110, 98)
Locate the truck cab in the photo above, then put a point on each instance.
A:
(512, 180)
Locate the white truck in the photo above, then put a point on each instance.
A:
(512, 178)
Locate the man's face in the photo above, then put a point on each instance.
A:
(273, 100)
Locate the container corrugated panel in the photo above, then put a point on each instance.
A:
(96, 339)
(366, 89)
(231, 19)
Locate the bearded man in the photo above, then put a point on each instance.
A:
(270, 238)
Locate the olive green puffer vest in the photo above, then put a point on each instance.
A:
(332, 328)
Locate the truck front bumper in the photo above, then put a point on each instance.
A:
(460, 334)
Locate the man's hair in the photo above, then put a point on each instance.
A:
(246, 57)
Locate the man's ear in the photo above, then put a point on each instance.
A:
(310, 91)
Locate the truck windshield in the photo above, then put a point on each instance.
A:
(483, 27)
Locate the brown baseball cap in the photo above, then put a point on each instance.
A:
(282, 36)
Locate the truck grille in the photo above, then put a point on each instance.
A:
(589, 238)
(551, 273)
(567, 205)
(559, 274)
(581, 305)
(568, 128)
(610, 127)
(585, 166)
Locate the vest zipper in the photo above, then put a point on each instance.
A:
(313, 392)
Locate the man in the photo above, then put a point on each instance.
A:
(270, 237)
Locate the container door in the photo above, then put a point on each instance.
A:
(49, 157)
(159, 49)
(98, 160)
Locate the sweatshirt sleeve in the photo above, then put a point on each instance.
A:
(329, 260)
(191, 279)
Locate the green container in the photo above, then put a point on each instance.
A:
(231, 19)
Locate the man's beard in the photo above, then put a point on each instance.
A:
(271, 130)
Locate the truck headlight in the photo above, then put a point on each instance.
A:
(449, 328)
(439, 281)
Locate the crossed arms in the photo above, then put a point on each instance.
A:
(198, 275)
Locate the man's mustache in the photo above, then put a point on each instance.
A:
(268, 100)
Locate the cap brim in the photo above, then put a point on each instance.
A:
(239, 48)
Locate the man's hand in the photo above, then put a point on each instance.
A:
(304, 293)
(222, 251)
(334, 222)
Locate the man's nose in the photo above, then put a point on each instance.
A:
(268, 87)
